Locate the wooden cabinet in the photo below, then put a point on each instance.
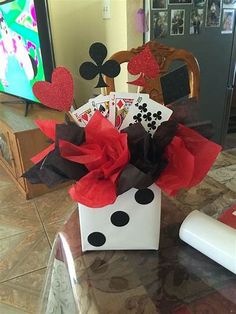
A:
(20, 139)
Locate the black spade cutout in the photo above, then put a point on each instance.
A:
(120, 219)
(144, 196)
(89, 70)
(96, 239)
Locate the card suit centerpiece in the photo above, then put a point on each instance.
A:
(120, 170)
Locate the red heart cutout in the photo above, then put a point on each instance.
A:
(58, 94)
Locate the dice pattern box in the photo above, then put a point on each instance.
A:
(131, 223)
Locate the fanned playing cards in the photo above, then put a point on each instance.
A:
(123, 110)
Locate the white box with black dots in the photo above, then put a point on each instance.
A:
(131, 223)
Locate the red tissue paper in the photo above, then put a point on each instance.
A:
(99, 155)
(228, 217)
(47, 127)
(105, 153)
(190, 156)
(144, 64)
(59, 93)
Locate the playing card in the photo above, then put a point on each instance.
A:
(119, 107)
(101, 103)
(83, 114)
(148, 112)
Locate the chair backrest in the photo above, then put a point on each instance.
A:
(165, 56)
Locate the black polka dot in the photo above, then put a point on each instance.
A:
(119, 219)
(96, 239)
(144, 196)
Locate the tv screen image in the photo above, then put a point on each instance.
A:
(25, 47)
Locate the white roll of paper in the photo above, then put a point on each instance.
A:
(211, 237)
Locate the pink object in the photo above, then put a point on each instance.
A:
(141, 26)
(33, 14)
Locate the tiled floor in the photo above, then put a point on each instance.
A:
(27, 230)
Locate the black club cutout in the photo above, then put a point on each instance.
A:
(157, 115)
(89, 70)
(119, 219)
(144, 196)
(96, 239)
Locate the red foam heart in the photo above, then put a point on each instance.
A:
(58, 94)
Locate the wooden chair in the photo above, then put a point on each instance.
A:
(165, 56)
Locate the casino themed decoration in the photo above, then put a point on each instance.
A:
(118, 226)
(145, 65)
(59, 93)
(119, 169)
(88, 70)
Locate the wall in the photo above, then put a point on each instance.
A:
(76, 24)
(134, 39)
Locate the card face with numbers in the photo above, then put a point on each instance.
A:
(148, 112)
(101, 103)
(83, 114)
(119, 106)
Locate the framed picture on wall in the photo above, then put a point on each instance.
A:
(159, 4)
(180, 1)
(227, 21)
(213, 13)
(199, 3)
(177, 22)
(229, 4)
(196, 21)
(160, 24)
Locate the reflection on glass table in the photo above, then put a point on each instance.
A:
(175, 279)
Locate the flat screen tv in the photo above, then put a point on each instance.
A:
(26, 54)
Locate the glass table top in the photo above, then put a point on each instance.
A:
(175, 279)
